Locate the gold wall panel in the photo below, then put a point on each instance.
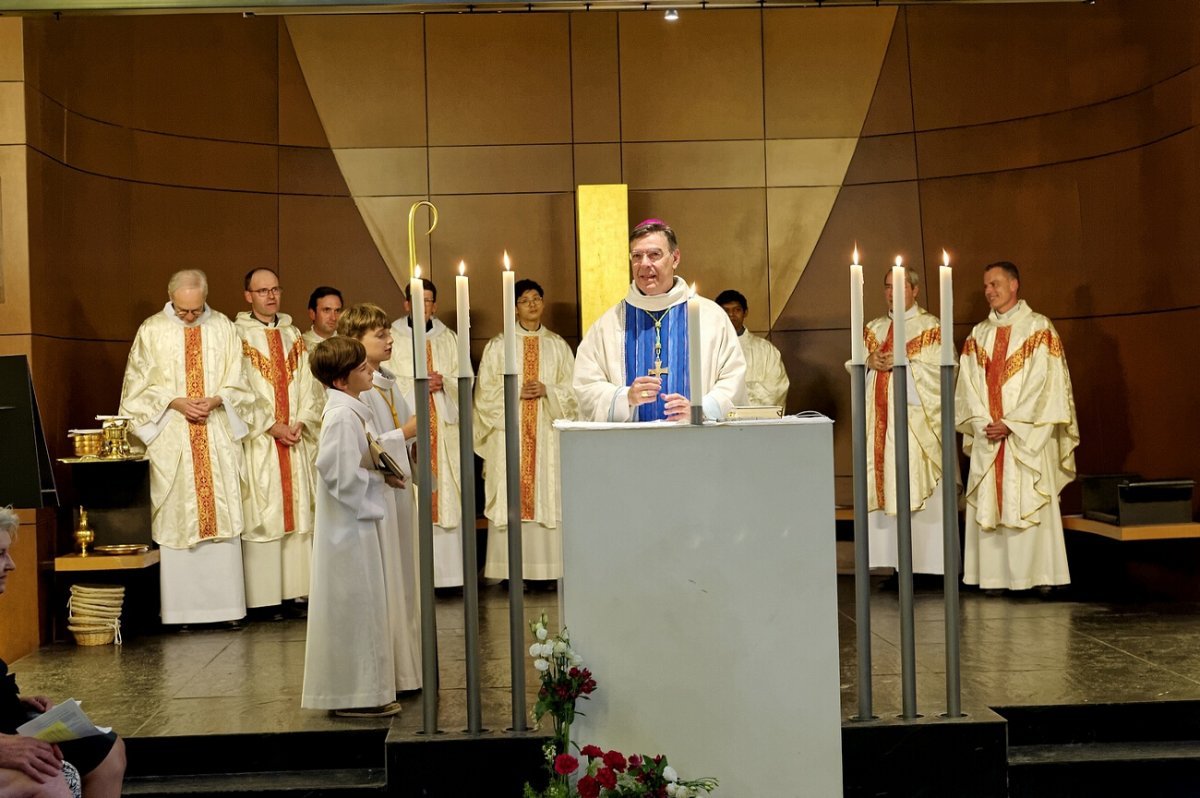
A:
(884, 219)
(821, 69)
(384, 172)
(12, 49)
(795, 221)
(603, 222)
(595, 78)
(722, 239)
(597, 164)
(386, 220)
(499, 79)
(538, 231)
(15, 245)
(322, 241)
(883, 159)
(808, 162)
(12, 112)
(700, 78)
(204, 163)
(299, 122)
(366, 75)
(891, 107)
(530, 168)
(693, 164)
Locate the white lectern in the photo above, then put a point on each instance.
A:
(700, 588)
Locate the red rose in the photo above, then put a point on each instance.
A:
(607, 779)
(591, 751)
(565, 764)
(635, 760)
(573, 672)
(615, 760)
(588, 787)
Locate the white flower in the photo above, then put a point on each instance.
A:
(560, 647)
(540, 632)
(542, 665)
(547, 649)
(683, 792)
(576, 660)
(671, 788)
(535, 650)
(669, 774)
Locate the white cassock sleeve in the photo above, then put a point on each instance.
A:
(340, 467)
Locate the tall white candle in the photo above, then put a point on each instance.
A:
(899, 339)
(858, 347)
(510, 319)
(695, 394)
(417, 289)
(946, 284)
(462, 293)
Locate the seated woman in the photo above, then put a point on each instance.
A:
(31, 767)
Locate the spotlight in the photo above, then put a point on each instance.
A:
(671, 15)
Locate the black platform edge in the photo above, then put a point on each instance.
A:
(1156, 778)
(456, 764)
(929, 756)
(1139, 721)
(333, 783)
(221, 754)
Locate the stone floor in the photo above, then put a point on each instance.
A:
(1016, 650)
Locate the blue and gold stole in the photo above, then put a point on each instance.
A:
(639, 353)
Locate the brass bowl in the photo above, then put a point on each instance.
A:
(88, 442)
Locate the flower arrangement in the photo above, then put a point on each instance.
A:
(607, 774)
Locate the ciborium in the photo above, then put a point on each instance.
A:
(116, 437)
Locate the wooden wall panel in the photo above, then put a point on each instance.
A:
(712, 64)
(595, 78)
(693, 164)
(891, 105)
(14, 244)
(499, 79)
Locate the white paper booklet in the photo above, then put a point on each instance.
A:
(62, 722)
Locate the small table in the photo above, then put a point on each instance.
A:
(106, 562)
(134, 572)
(1178, 531)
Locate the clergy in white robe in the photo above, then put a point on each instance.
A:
(924, 335)
(280, 450)
(1015, 408)
(393, 424)
(441, 358)
(324, 309)
(348, 654)
(546, 366)
(766, 379)
(632, 364)
(185, 390)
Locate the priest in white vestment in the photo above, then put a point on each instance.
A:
(924, 335)
(766, 379)
(632, 365)
(441, 357)
(324, 309)
(546, 367)
(185, 390)
(394, 425)
(281, 448)
(348, 653)
(1016, 411)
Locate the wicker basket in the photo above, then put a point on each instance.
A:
(93, 635)
(94, 614)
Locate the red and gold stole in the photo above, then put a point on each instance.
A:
(883, 382)
(529, 424)
(206, 503)
(996, 377)
(279, 370)
(433, 438)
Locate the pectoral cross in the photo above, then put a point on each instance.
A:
(658, 369)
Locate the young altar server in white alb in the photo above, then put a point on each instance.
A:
(393, 424)
(1016, 410)
(280, 449)
(441, 357)
(349, 664)
(924, 334)
(186, 392)
(766, 379)
(546, 366)
(632, 365)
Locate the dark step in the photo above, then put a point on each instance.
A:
(1099, 771)
(332, 783)
(1142, 721)
(225, 754)
(1090, 753)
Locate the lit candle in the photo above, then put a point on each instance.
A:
(947, 296)
(899, 340)
(463, 295)
(858, 347)
(510, 319)
(417, 289)
(696, 396)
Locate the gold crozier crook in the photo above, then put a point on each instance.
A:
(412, 236)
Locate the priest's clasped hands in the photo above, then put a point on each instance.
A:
(644, 390)
(196, 410)
(287, 434)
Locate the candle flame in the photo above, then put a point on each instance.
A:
(693, 291)
(507, 264)
(945, 257)
(462, 267)
(417, 272)
(855, 261)
(899, 261)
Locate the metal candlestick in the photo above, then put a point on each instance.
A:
(466, 453)
(908, 652)
(950, 544)
(516, 576)
(429, 657)
(862, 553)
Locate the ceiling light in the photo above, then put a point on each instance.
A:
(671, 15)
